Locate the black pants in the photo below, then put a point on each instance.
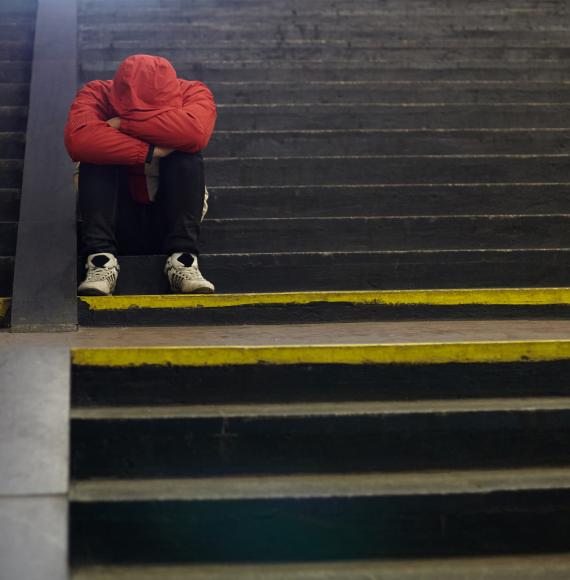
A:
(113, 222)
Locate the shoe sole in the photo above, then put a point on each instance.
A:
(92, 292)
(204, 290)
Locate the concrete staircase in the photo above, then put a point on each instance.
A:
(365, 145)
(362, 146)
(193, 462)
(17, 20)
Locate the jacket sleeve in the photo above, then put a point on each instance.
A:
(188, 129)
(89, 138)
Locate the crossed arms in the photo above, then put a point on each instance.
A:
(90, 136)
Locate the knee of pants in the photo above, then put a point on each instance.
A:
(187, 161)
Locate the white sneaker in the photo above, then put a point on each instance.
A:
(102, 273)
(184, 275)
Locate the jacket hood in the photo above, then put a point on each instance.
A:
(144, 86)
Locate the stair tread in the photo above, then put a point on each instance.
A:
(321, 485)
(515, 567)
(311, 410)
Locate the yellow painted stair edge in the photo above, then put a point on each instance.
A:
(399, 353)
(457, 297)
(4, 307)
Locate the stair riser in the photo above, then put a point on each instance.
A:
(364, 234)
(290, 272)
(334, 171)
(385, 93)
(200, 34)
(298, 5)
(17, 32)
(311, 314)
(6, 275)
(358, 443)
(8, 231)
(385, 143)
(346, 72)
(19, 54)
(18, 6)
(378, 14)
(324, 22)
(174, 385)
(10, 177)
(390, 201)
(320, 529)
(369, 234)
(14, 94)
(9, 205)
(12, 18)
(15, 72)
(404, 56)
(367, 116)
(98, 37)
(12, 147)
(14, 123)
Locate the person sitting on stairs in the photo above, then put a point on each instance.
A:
(137, 140)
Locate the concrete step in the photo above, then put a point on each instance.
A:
(311, 116)
(12, 145)
(394, 170)
(519, 567)
(389, 92)
(238, 236)
(8, 231)
(329, 65)
(325, 21)
(13, 119)
(179, 376)
(301, 71)
(15, 50)
(11, 172)
(324, 526)
(27, 7)
(14, 94)
(9, 203)
(289, 271)
(15, 71)
(405, 56)
(318, 438)
(24, 17)
(23, 31)
(283, 142)
(96, 37)
(6, 275)
(340, 29)
(298, 5)
(310, 307)
(401, 233)
(383, 200)
(161, 10)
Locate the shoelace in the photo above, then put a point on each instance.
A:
(186, 273)
(99, 274)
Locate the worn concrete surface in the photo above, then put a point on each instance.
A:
(333, 333)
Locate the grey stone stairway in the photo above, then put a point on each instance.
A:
(17, 21)
(366, 145)
(304, 470)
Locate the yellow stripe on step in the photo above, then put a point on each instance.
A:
(4, 307)
(458, 297)
(413, 353)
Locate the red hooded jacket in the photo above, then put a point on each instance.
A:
(155, 108)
